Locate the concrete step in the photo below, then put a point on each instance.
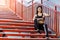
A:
(9, 38)
(21, 30)
(23, 34)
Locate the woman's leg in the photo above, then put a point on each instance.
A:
(41, 27)
(35, 24)
(46, 29)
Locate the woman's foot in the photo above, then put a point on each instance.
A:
(41, 31)
(38, 31)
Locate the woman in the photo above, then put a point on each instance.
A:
(39, 19)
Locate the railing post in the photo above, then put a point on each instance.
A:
(55, 20)
(15, 6)
(32, 9)
(41, 1)
(10, 4)
(47, 0)
(22, 8)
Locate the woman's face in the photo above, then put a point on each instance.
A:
(39, 9)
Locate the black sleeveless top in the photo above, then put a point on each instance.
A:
(39, 16)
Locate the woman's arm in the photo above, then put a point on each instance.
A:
(46, 15)
(34, 16)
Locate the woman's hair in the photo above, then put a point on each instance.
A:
(37, 9)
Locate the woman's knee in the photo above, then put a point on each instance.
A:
(46, 25)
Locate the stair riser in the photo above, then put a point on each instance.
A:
(23, 31)
(25, 39)
(41, 36)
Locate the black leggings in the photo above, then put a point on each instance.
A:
(38, 26)
(41, 27)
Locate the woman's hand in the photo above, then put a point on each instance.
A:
(43, 16)
(34, 17)
(46, 15)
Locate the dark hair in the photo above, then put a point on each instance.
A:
(37, 9)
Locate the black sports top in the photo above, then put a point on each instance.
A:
(39, 17)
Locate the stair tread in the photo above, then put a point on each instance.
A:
(7, 20)
(28, 38)
(24, 33)
(15, 20)
(12, 26)
(19, 30)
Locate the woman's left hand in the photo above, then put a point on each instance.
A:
(43, 16)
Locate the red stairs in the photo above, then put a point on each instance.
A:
(13, 28)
